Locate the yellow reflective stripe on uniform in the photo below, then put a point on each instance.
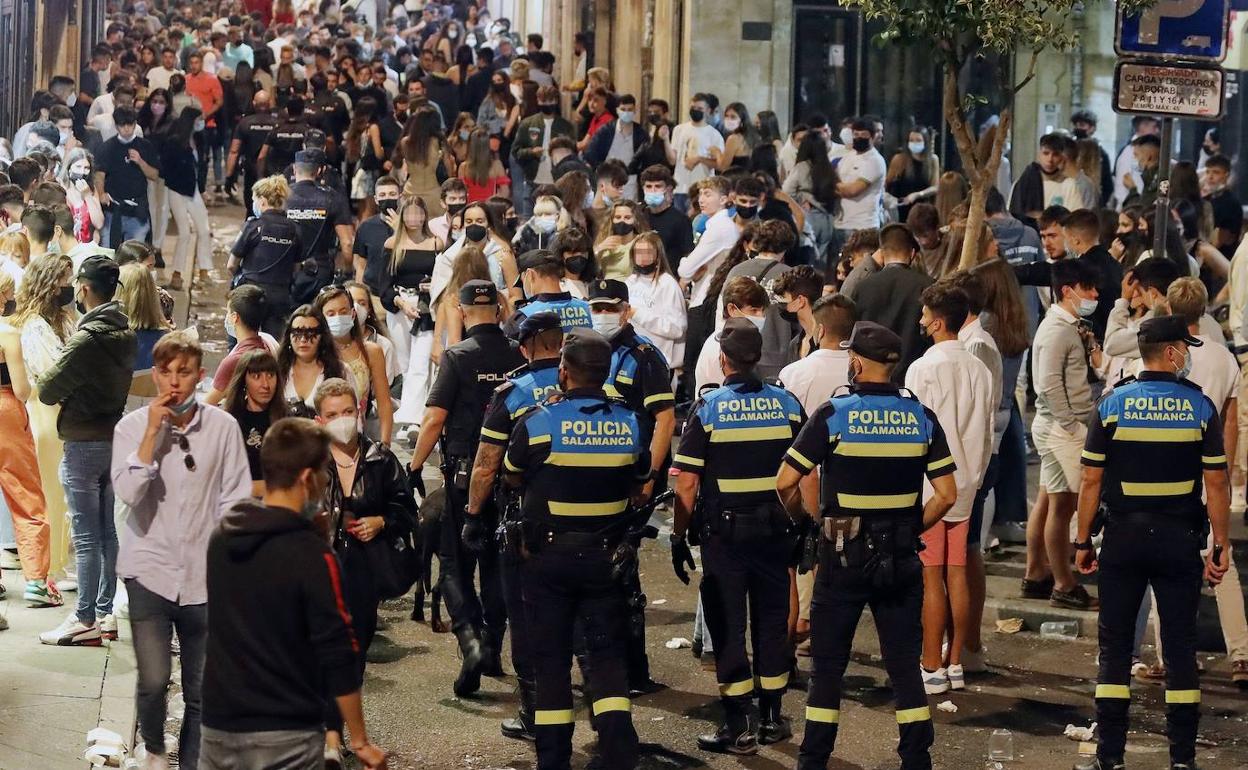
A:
(1157, 488)
(827, 716)
(872, 502)
(881, 449)
(1182, 696)
(657, 397)
(556, 717)
(1114, 691)
(751, 434)
(587, 509)
(1094, 456)
(507, 464)
(909, 716)
(801, 458)
(936, 465)
(610, 390)
(520, 411)
(624, 378)
(774, 682)
(591, 459)
(733, 689)
(756, 484)
(487, 433)
(1213, 460)
(540, 439)
(1110, 419)
(1171, 435)
(603, 705)
(687, 460)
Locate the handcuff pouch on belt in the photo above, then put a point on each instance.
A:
(510, 527)
(747, 524)
(873, 544)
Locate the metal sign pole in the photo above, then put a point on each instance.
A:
(1162, 221)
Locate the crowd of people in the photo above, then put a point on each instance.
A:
(540, 283)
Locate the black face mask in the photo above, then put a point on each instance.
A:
(475, 233)
(789, 315)
(385, 207)
(861, 145)
(747, 212)
(512, 222)
(548, 109)
(696, 115)
(1080, 133)
(455, 208)
(655, 120)
(576, 265)
(621, 228)
(646, 269)
(66, 296)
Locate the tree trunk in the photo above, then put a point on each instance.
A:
(986, 178)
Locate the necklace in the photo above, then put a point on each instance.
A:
(354, 459)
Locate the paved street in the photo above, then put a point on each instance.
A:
(50, 698)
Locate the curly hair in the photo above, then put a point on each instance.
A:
(38, 295)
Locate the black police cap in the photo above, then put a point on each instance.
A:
(1166, 328)
(875, 342)
(538, 323)
(608, 291)
(741, 341)
(535, 258)
(311, 157)
(588, 350)
(478, 292)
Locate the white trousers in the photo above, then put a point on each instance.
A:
(157, 204)
(416, 376)
(188, 212)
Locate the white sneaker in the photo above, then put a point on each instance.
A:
(957, 678)
(67, 585)
(108, 627)
(333, 759)
(934, 682)
(975, 662)
(72, 632)
(9, 560)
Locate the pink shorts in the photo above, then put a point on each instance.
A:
(945, 544)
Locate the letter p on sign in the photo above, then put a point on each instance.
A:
(1150, 20)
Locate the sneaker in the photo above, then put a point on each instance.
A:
(1150, 674)
(935, 682)
(333, 758)
(108, 627)
(1239, 674)
(803, 650)
(67, 586)
(41, 593)
(975, 662)
(9, 559)
(1138, 668)
(957, 677)
(72, 632)
(1076, 598)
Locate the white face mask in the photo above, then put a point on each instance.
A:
(125, 139)
(1087, 306)
(731, 124)
(606, 324)
(343, 429)
(340, 325)
(361, 314)
(546, 223)
(847, 136)
(757, 320)
(627, 116)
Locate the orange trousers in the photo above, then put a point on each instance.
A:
(23, 490)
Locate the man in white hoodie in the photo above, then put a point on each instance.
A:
(958, 388)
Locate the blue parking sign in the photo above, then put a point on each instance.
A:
(1176, 30)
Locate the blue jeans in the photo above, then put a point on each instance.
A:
(1011, 486)
(89, 494)
(128, 229)
(152, 621)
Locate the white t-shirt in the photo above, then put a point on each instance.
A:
(158, 77)
(1215, 370)
(862, 212)
(699, 140)
(816, 377)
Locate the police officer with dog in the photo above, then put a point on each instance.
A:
(540, 337)
(736, 437)
(1153, 445)
(470, 372)
(874, 445)
(582, 462)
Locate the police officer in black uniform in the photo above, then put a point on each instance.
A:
(284, 140)
(873, 445)
(323, 216)
(541, 337)
(640, 377)
(540, 271)
(581, 459)
(249, 137)
(327, 112)
(1153, 445)
(730, 450)
(266, 254)
(327, 174)
(470, 371)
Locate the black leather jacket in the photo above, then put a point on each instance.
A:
(380, 489)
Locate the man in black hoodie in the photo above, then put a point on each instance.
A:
(279, 636)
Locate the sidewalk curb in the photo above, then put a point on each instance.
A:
(117, 705)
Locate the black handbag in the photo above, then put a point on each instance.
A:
(393, 561)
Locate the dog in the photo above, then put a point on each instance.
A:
(429, 537)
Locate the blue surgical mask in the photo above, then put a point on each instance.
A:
(916, 148)
(1087, 306)
(545, 223)
(185, 406)
(757, 320)
(340, 325)
(654, 199)
(229, 327)
(589, 199)
(1186, 368)
(255, 207)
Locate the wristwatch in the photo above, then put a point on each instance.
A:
(1085, 545)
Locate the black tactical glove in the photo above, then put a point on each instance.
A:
(681, 555)
(474, 534)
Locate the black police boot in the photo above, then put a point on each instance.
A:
(739, 732)
(772, 726)
(492, 655)
(521, 727)
(469, 679)
(1096, 763)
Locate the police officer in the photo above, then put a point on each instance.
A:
(540, 271)
(730, 450)
(581, 460)
(470, 371)
(249, 137)
(327, 112)
(1153, 445)
(284, 140)
(267, 251)
(327, 175)
(324, 220)
(640, 377)
(541, 336)
(873, 446)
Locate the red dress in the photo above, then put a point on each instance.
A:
(481, 192)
